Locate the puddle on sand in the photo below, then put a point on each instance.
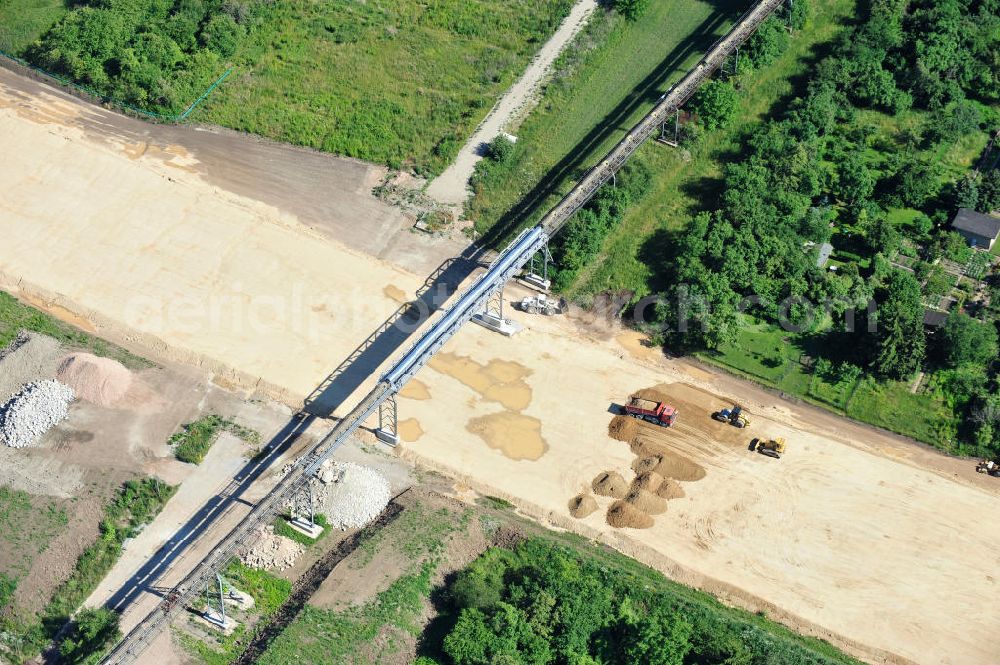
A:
(415, 389)
(395, 293)
(410, 430)
(500, 381)
(516, 435)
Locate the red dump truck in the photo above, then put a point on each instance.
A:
(658, 413)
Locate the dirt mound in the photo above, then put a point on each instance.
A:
(623, 515)
(649, 481)
(97, 380)
(666, 463)
(647, 502)
(656, 394)
(29, 357)
(670, 489)
(623, 428)
(610, 483)
(582, 505)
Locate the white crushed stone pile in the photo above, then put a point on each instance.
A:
(33, 411)
(272, 551)
(100, 381)
(350, 495)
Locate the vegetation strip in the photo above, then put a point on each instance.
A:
(16, 316)
(546, 600)
(306, 585)
(136, 504)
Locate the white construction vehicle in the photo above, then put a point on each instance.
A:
(541, 304)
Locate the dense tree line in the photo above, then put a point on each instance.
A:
(157, 54)
(821, 167)
(542, 604)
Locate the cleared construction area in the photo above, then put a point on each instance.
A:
(853, 536)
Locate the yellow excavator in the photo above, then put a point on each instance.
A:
(771, 447)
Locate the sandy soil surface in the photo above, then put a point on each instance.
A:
(852, 535)
(327, 194)
(881, 546)
(452, 186)
(149, 252)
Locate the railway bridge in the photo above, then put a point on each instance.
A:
(481, 300)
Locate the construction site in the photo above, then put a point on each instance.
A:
(240, 287)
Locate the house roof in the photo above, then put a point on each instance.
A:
(825, 250)
(971, 221)
(935, 318)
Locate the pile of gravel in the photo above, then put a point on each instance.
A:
(272, 551)
(33, 411)
(350, 495)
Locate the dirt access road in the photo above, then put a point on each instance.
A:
(452, 186)
(857, 537)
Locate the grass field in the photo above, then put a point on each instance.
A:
(399, 82)
(375, 631)
(195, 439)
(27, 526)
(135, 505)
(778, 359)
(23, 21)
(606, 81)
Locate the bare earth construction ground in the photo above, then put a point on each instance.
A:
(854, 536)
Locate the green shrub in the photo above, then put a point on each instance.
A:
(92, 631)
(716, 104)
(195, 439)
(500, 149)
(631, 9)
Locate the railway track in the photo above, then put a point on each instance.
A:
(441, 328)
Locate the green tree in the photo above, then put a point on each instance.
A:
(964, 339)
(901, 345)
(93, 630)
(716, 103)
(883, 237)
(631, 9)
(856, 182)
(989, 192)
(767, 42)
(222, 34)
(656, 637)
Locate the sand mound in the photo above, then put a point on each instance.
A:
(582, 505)
(649, 481)
(670, 489)
(666, 463)
(647, 502)
(610, 483)
(655, 394)
(97, 380)
(272, 551)
(623, 428)
(622, 514)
